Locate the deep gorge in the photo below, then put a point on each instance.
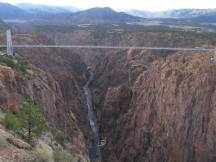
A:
(149, 105)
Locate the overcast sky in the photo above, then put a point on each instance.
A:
(151, 5)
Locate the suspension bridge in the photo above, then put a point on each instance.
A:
(9, 45)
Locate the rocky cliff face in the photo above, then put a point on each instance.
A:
(161, 109)
(56, 87)
(148, 103)
(68, 71)
(45, 90)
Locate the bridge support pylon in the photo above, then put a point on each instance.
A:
(9, 43)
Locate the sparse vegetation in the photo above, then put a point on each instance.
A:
(55, 28)
(60, 137)
(167, 36)
(28, 122)
(43, 153)
(211, 37)
(12, 122)
(8, 61)
(32, 119)
(3, 139)
(16, 63)
(62, 156)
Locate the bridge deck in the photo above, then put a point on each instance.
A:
(112, 47)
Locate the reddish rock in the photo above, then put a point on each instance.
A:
(8, 93)
(167, 112)
(56, 86)
(19, 143)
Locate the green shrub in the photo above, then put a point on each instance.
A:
(16, 63)
(21, 65)
(28, 122)
(60, 137)
(11, 121)
(62, 156)
(8, 61)
(43, 153)
(32, 119)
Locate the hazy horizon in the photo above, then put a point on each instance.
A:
(159, 5)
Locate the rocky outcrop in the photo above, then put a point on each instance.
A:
(19, 143)
(8, 96)
(13, 149)
(11, 153)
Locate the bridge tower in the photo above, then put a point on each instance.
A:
(9, 43)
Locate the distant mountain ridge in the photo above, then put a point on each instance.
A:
(38, 9)
(186, 13)
(176, 13)
(97, 14)
(207, 18)
(8, 11)
(139, 13)
(62, 14)
(26, 11)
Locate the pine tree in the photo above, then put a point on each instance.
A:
(32, 119)
(29, 122)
